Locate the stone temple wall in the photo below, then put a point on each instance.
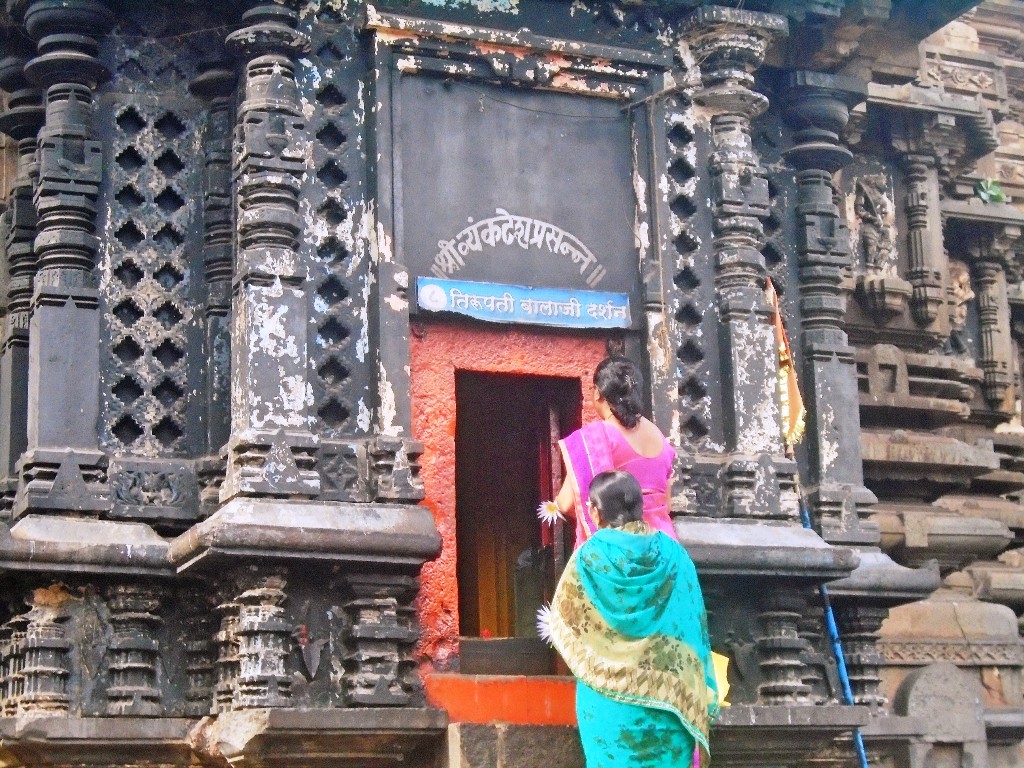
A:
(212, 516)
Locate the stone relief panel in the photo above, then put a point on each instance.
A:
(961, 296)
(888, 306)
(873, 225)
(871, 215)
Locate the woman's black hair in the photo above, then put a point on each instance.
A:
(618, 498)
(619, 384)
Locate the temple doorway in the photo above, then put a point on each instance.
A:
(484, 400)
(506, 464)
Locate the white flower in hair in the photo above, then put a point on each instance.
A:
(549, 513)
(544, 618)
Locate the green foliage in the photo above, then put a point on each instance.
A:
(990, 191)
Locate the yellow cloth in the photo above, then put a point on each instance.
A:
(721, 664)
(790, 400)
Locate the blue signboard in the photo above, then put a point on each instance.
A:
(499, 303)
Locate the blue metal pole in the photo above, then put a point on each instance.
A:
(837, 644)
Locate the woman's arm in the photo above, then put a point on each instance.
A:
(565, 500)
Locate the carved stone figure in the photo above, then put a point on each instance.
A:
(875, 212)
(960, 296)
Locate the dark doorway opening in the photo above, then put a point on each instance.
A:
(506, 464)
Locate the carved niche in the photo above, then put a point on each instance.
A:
(880, 290)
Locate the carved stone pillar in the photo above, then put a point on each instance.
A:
(216, 85)
(21, 121)
(731, 44)
(264, 636)
(995, 356)
(226, 665)
(815, 678)
(780, 649)
(379, 662)
(134, 650)
(62, 468)
(6, 630)
(858, 626)
(271, 449)
(199, 654)
(818, 108)
(14, 663)
(44, 669)
(923, 274)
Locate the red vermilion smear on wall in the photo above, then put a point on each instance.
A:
(436, 354)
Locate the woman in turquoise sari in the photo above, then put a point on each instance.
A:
(628, 618)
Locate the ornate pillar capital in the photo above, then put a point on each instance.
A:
(67, 33)
(818, 105)
(269, 28)
(730, 45)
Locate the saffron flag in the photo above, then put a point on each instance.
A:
(791, 402)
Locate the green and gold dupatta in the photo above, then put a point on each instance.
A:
(628, 618)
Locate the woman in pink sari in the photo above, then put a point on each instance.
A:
(624, 440)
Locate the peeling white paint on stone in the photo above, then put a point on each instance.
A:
(363, 415)
(827, 446)
(659, 355)
(642, 238)
(397, 303)
(269, 333)
(313, 73)
(388, 408)
(363, 343)
(759, 428)
(407, 64)
(639, 183)
(294, 398)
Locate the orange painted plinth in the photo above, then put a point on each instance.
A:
(495, 698)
